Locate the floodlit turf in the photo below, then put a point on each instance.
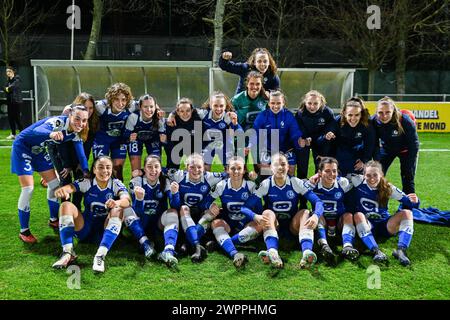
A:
(26, 273)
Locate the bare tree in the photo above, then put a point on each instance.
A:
(18, 22)
(420, 26)
(348, 21)
(101, 8)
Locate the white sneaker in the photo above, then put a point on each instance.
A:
(168, 258)
(11, 137)
(99, 264)
(64, 260)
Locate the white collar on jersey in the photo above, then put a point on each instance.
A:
(146, 182)
(321, 186)
(109, 184)
(202, 178)
(365, 182)
(286, 183)
(210, 116)
(230, 187)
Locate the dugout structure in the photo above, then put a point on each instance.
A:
(58, 82)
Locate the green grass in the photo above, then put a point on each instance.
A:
(26, 273)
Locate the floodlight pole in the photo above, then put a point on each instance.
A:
(73, 29)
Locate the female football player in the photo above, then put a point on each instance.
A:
(113, 112)
(29, 154)
(334, 193)
(260, 60)
(280, 193)
(149, 194)
(233, 193)
(372, 218)
(189, 190)
(144, 128)
(105, 199)
(355, 137)
(398, 138)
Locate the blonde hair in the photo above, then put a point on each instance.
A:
(218, 95)
(278, 93)
(313, 93)
(194, 157)
(93, 121)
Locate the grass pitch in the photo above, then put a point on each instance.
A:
(26, 273)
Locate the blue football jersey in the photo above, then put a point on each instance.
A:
(214, 131)
(232, 199)
(112, 124)
(96, 197)
(155, 201)
(35, 136)
(333, 198)
(283, 201)
(145, 130)
(193, 194)
(367, 202)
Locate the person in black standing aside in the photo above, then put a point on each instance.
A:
(396, 136)
(13, 100)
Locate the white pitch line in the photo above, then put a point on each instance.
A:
(434, 150)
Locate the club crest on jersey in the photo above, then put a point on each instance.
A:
(244, 196)
(358, 135)
(338, 195)
(321, 121)
(222, 125)
(395, 133)
(290, 194)
(282, 124)
(204, 188)
(109, 196)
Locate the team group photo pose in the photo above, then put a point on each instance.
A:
(224, 150)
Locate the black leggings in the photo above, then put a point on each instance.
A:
(14, 117)
(408, 164)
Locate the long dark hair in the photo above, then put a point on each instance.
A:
(155, 118)
(162, 177)
(91, 172)
(358, 103)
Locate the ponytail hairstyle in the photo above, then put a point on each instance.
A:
(162, 177)
(384, 187)
(252, 59)
(216, 95)
(278, 93)
(91, 172)
(358, 103)
(312, 93)
(327, 160)
(155, 118)
(396, 113)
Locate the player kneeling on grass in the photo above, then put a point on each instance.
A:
(102, 219)
(372, 218)
(149, 194)
(334, 191)
(281, 197)
(233, 193)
